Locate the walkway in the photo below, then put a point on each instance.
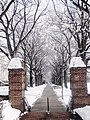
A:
(54, 105)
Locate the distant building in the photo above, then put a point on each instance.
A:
(3, 69)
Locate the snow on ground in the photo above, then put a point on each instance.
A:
(10, 113)
(77, 62)
(84, 112)
(88, 88)
(63, 94)
(15, 63)
(33, 93)
(4, 90)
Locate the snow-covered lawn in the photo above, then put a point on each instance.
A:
(62, 93)
(84, 112)
(9, 113)
(4, 90)
(33, 93)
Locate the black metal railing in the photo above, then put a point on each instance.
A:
(27, 106)
(48, 106)
(76, 116)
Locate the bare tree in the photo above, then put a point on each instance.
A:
(76, 21)
(33, 55)
(78, 29)
(56, 71)
(3, 11)
(15, 27)
(62, 45)
(85, 7)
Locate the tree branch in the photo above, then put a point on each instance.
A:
(4, 53)
(6, 8)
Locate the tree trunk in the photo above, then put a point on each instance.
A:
(65, 78)
(31, 79)
(36, 79)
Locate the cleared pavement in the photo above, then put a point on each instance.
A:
(42, 104)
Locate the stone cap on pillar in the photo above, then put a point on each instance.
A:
(15, 63)
(76, 62)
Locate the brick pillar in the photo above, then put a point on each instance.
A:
(16, 84)
(78, 84)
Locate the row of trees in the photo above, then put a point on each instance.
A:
(17, 24)
(19, 35)
(71, 36)
(31, 50)
(23, 34)
(82, 5)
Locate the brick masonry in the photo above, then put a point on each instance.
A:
(78, 84)
(78, 81)
(17, 88)
(46, 116)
